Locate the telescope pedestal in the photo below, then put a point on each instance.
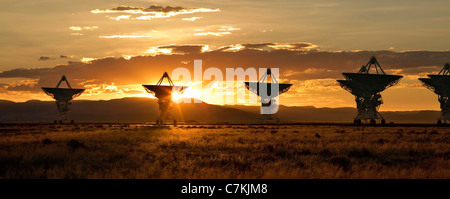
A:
(445, 110)
(368, 109)
(268, 118)
(63, 110)
(165, 106)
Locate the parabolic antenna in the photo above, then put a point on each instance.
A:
(164, 95)
(282, 88)
(267, 88)
(163, 92)
(367, 89)
(440, 84)
(63, 96)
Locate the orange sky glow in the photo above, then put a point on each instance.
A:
(111, 48)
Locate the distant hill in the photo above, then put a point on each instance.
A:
(344, 114)
(145, 110)
(119, 110)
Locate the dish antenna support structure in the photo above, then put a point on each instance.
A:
(269, 82)
(440, 84)
(63, 96)
(164, 95)
(367, 88)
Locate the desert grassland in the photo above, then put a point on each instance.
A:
(223, 151)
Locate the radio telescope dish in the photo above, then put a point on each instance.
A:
(440, 84)
(367, 89)
(63, 96)
(164, 95)
(267, 98)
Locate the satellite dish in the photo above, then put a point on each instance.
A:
(367, 89)
(164, 95)
(440, 84)
(63, 96)
(267, 98)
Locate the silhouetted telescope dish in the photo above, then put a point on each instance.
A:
(367, 88)
(440, 84)
(63, 94)
(254, 87)
(63, 97)
(163, 91)
(372, 83)
(164, 95)
(266, 83)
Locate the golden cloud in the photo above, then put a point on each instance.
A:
(191, 18)
(298, 47)
(152, 12)
(132, 36)
(222, 30)
(79, 28)
(218, 34)
(294, 65)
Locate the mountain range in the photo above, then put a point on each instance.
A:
(146, 110)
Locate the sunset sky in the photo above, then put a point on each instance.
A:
(112, 47)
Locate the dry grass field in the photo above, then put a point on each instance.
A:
(223, 151)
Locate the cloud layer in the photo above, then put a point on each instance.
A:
(297, 62)
(151, 12)
(311, 71)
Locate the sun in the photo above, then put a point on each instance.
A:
(176, 97)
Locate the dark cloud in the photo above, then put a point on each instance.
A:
(25, 85)
(151, 12)
(293, 64)
(421, 70)
(303, 46)
(310, 73)
(3, 86)
(153, 8)
(166, 11)
(257, 46)
(44, 58)
(183, 49)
